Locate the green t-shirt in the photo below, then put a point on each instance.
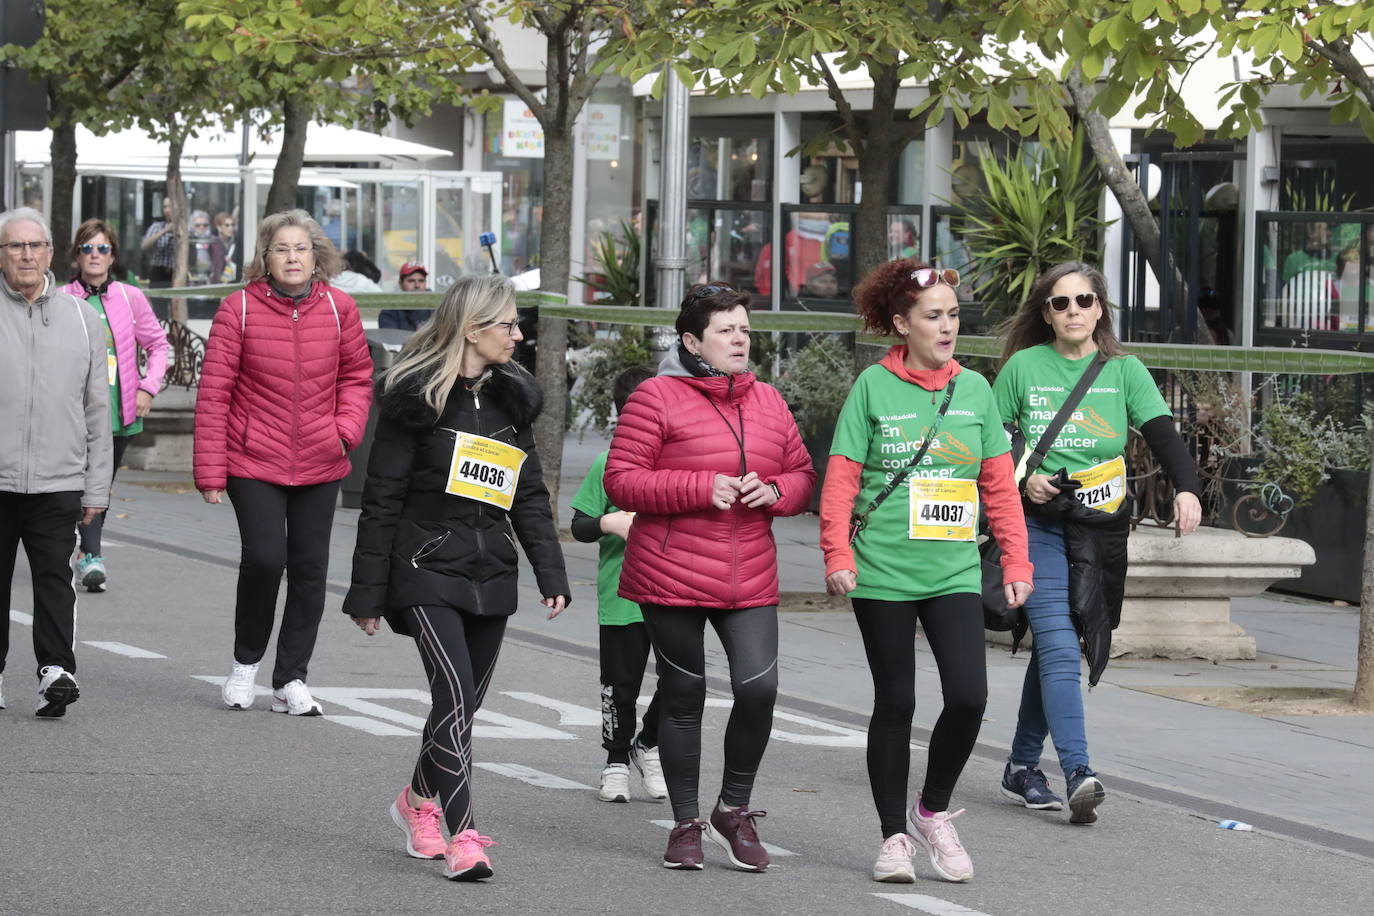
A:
(1032, 387)
(611, 609)
(112, 357)
(882, 424)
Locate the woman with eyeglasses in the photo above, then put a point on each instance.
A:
(917, 449)
(130, 328)
(284, 395)
(706, 456)
(223, 248)
(452, 483)
(1054, 337)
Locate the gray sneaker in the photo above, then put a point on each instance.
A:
(1085, 794)
(1030, 787)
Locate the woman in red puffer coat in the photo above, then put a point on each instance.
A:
(284, 396)
(706, 455)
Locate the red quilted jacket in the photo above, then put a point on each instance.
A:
(281, 385)
(675, 435)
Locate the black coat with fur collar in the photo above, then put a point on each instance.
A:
(417, 544)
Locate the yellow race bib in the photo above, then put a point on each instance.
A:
(1103, 485)
(942, 509)
(112, 368)
(485, 470)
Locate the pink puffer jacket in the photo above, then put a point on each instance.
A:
(134, 327)
(281, 385)
(676, 434)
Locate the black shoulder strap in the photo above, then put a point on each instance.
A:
(858, 522)
(1042, 448)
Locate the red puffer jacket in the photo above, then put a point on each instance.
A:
(281, 385)
(676, 434)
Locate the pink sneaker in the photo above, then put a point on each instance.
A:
(465, 859)
(420, 825)
(937, 835)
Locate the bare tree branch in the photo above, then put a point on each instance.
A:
(1338, 54)
(846, 111)
(490, 45)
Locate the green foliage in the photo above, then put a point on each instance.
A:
(617, 260)
(1299, 446)
(625, 347)
(815, 381)
(1040, 208)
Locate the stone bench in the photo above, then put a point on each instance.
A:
(168, 433)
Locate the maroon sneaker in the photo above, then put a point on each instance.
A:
(684, 846)
(734, 831)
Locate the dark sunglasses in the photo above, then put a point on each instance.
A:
(1061, 303)
(87, 248)
(926, 277)
(708, 290)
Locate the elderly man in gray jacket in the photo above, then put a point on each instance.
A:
(55, 449)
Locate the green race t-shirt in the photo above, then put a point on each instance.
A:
(611, 609)
(1032, 387)
(111, 356)
(882, 424)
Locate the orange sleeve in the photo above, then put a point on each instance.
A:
(838, 493)
(1002, 503)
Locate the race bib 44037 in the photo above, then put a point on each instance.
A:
(1103, 485)
(485, 470)
(943, 509)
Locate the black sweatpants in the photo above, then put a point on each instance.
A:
(459, 653)
(953, 625)
(45, 523)
(90, 534)
(750, 639)
(624, 653)
(281, 528)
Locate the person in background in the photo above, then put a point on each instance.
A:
(359, 275)
(414, 279)
(224, 248)
(54, 445)
(199, 260)
(624, 637)
(132, 335)
(284, 396)
(158, 245)
(901, 239)
(822, 282)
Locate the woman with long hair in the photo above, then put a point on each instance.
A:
(284, 395)
(453, 481)
(1062, 328)
(916, 449)
(131, 328)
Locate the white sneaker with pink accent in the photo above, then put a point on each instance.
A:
(937, 835)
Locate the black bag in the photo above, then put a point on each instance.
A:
(996, 615)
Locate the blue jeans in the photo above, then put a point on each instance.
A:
(1051, 698)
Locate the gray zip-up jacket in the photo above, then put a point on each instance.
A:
(54, 396)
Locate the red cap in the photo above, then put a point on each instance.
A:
(413, 267)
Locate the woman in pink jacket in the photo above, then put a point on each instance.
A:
(130, 326)
(707, 455)
(284, 396)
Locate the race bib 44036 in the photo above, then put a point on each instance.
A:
(485, 470)
(1103, 485)
(943, 509)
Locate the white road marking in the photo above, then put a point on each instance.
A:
(21, 617)
(532, 776)
(933, 905)
(839, 737)
(568, 713)
(772, 850)
(119, 648)
(371, 726)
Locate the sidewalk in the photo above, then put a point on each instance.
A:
(1309, 770)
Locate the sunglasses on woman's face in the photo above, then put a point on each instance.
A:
(87, 248)
(1061, 303)
(926, 277)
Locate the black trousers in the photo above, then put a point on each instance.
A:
(45, 523)
(624, 653)
(953, 625)
(281, 528)
(90, 534)
(750, 639)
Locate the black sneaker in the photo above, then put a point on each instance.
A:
(58, 690)
(1085, 794)
(1030, 787)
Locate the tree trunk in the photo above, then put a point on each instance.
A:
(1364, 665)
(62, 154)
(286, 177)
(555, 244)
(878, 150)
(176, 193)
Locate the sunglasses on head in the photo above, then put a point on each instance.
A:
(87, 248)
(1061, 303)
(708, 290)
(926, 277)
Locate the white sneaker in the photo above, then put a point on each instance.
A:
(894, 860)
(239, 688)
(650, 769)
(2, 691)
(615, 783)
(58, 689)
(294, 699)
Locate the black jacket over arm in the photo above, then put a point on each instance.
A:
(420, 545)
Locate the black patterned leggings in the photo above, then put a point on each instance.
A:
(459, 652)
